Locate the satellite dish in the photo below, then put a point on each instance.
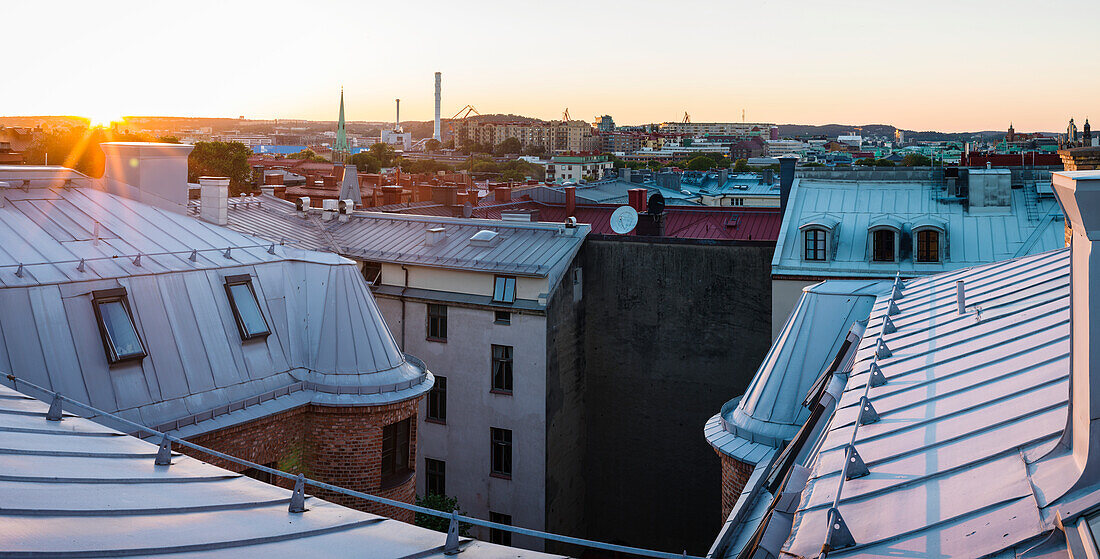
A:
(624, 219)
(657, 204)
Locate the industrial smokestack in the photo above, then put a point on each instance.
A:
(397, 125)
(438, 83)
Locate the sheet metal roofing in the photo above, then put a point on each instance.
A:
(968, 402)
(74, 488)
(971, 237)
(522, 249)
(328, 340)
(771, 411)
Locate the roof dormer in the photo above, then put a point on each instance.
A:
(819, 238)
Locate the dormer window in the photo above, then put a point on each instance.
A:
(504, 289)
(884, 245)
(246, 308)
(928, 245)
(116, 326)
(815, 245)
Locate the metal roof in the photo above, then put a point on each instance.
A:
(74, 488)
(969, 400)
(972, 238)
(327, 336)
(522, 249)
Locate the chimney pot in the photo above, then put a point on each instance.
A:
(214, 200)
(570, 201)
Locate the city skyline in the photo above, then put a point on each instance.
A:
(940, 68)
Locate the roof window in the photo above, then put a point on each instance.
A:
(504, 289)
(116, 326)
(246, 307)
(484, 237)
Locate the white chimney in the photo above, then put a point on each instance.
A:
(152, 173)
(397, 125)
(214, 200)
(1075, 463)
(438, 85)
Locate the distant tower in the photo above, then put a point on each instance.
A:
(1011, 136)
(397, 122)
(438, 86)
(340, 150)
(1086, 136)
(1071, 134)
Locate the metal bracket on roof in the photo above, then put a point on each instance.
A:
(55, 408)
(838, 537)
(228, 253)
(137, 261)
(895, 293)
(164, 455)
(271, 249)
(19, 271)
(877, 378)
(26, 185)
(855, 467)
(80, 267)
(892, 309)
(888, 326)
(867, 413)
(451, 547)
(881, 351)
(194, 256)
(298, 497)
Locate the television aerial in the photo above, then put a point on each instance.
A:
(624, 219)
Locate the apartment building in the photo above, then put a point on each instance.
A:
(552, 136)
(735, 130)
(572, 168)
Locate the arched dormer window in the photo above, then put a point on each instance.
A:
(929, 240)
(885, 234)
(818, 238)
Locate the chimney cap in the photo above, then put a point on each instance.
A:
(1079, 194)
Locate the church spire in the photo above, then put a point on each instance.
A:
(340, 150)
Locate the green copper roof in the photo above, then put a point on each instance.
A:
(341, 133)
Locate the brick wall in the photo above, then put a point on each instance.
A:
(735, 474)
(337, 445)
(1079, 159)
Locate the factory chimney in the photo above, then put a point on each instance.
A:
(438, 83)
(397, 124)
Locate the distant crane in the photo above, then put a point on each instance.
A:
(687, 118)
(461, 115)
(565, 115)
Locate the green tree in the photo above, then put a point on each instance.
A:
(655, 165)
(700, 163)
(440, 503)
(534, 149)
(221, 159)
(383, 154)
(883, 163)
(432, 145)
(168, 140)
(741, 165)
(365, 162)
(866, 162)
(509, 146)
(306, 154)
(915, 160)
(76, 147)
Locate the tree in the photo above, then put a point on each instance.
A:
(440, 503)
(655, 165)
(741, 165)
(866, 162)
(700, 163)
(365, 162)
(915, 160)
(508, 146)
(76, 147)
(168, 140)
(383, 154)
(221, 159)
(432, 145)
(306, 154)
(534, 149)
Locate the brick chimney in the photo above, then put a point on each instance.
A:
(1075, 463)
(152, 173)
(636, 197)
(503, 194)
(273, 179)
(391, 195)
(1079, 159)
(570, 201)
(214, 200)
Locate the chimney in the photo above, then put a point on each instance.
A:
(1079, 194)
(786, 180)
(1079, 159)
(273, 179)
(214, 200)
(723, 176)
(434, 236)
(438, 84)
(570, 201)
(472, 197)
(444, 194)
(397, 124)
(636, 197)
(503, 194)
(769, 177)
(152, 173)
(391, 195)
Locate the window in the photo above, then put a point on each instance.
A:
(437, 476)
(502, 368)
(501, 440)
(502, 317)
(504, 289)
(883, 245)
(496, 535)
(437, 401)
(815, 245)
(372, 272)
(246, 308)
(928, 245)
(395, 453)
(437, 322)
(116, 326)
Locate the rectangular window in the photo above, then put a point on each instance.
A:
(504, 289)
(246, 307)
(502, 317)
(437, 400)
(395, 453)
(501, 440)
(502, 368)
(496, 535)
(372, 272)
(436, 471)
(437, 322)
(928, 246)
(815, 244)
(116, 326)
(883, 245)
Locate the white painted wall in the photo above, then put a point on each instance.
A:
(785, 294)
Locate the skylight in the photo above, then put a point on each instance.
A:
(116, 326)
(246, 308)
(484, 237)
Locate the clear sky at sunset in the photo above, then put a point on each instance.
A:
(947, 65)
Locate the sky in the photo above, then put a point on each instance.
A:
(957, 65)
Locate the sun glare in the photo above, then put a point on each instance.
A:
(103, 120)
